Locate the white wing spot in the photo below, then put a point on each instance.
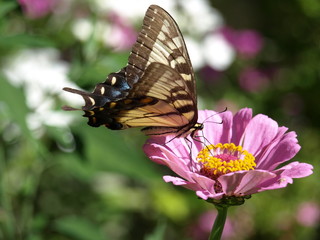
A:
(92, 100)
(161, 36)
(113, 81)
(177, 41)
(186, 77)
(173, 63)
(155, 11)
(172, 45)
(180, 60)
(164, 27)
(183, 93)
(102, 90)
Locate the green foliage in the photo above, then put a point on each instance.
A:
(75, 182)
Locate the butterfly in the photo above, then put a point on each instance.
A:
(156, 90)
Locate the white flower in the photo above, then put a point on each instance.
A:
(42, 75)
(217, 52)
(201, 17)
(195, 53)
(131, 10)
(82, 29)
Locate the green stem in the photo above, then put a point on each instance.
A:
(218, 225)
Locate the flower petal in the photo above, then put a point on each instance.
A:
(280, 152)
(244, 182)
(181, 182)
(175, 180)
(260, 131)
(286, 174)
(206, 194)
(218, 128)
(240, 122)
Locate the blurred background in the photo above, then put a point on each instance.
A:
(61, 179)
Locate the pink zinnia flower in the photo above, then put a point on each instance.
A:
(308, 214)
(123, 34)
(37, 8)
(240, 158)
(253, 80)
(248, 43)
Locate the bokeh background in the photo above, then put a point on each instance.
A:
(61, 179)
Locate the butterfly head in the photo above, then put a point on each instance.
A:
(196, 127)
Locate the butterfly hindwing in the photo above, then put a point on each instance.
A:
(174, 109)
(113, 88)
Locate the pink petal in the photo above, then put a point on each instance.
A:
(217, 129)
(260, 131)
(297, 170)
(283, 151)
(244, 182)
(262, 158)
(206, 194)
(179, 168)
(286, 174)
(204, 182)
(155, 153)
(240, 122)
(175, 180)
(181, 182)
(160, 153)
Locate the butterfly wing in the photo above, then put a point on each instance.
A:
(172, 110)
(156, 89)
(160, 40)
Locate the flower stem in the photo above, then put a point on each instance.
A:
(218, 225)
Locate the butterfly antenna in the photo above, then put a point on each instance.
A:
(205, 120)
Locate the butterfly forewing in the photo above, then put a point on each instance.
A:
(160, 40)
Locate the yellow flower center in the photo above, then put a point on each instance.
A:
(220, 159)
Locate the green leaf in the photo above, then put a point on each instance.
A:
(6, 7)
(117, 151)
(79, 228)
(158, 233)
(17, 109)
(24, 40)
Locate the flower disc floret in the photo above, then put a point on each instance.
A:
(220, 159)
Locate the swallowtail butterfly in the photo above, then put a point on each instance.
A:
(156, 90)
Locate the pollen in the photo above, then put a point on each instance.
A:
(220, 159)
